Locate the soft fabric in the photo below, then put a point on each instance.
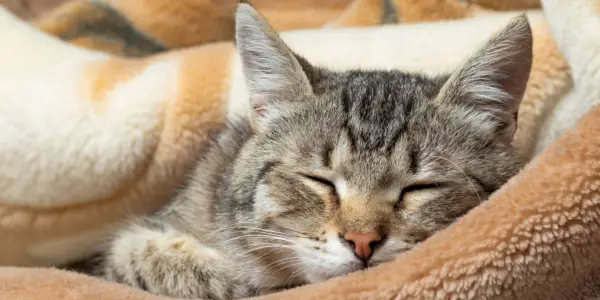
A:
(53, 284)
(30, 9)
(143, 27)
(536, 238)
(175, 24)
(576, 29)
(90, 139)
(413, 11)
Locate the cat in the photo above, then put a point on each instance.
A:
(332, 171)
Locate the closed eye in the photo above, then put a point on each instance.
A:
(420, 187)
(417, 188)
(320, 180)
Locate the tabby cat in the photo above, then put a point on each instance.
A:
(332, 172)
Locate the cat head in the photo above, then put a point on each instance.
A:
(348, 169)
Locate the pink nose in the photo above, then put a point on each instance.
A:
(362, 242)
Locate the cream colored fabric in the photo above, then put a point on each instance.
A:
(536, 238)
(90, 139)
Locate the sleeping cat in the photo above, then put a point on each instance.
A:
(332, 172)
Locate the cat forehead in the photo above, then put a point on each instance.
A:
(371, 112)
(378, 105)
(374, 83)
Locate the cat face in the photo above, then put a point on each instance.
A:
(349, 169)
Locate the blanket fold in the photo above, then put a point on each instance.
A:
(536, 238)
(107, 134)
(150, 26)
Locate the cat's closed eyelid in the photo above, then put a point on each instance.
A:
(319, 179)
(422, 186)
(322, 183)
(419, 187)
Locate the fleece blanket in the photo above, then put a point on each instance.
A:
(90, 139)
(536, 238)
(143, 27)
(29, 9)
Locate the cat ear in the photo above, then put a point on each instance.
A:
(273, 74)
(492, 82)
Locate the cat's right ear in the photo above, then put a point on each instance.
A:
(492, 82)
(273, 75)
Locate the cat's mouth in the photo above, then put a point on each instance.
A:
(347, 268)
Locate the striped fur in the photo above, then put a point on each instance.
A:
(280, 198)
(90, 138)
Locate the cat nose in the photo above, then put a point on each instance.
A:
(363, 242)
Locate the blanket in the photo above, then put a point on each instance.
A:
(30, 9)
(147, 120)
(536, 238)
(90, 139)
(144, 27)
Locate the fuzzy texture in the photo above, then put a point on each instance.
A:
(146, 27)
(31, 9)
(19, 284)
(399, 157)
(115, 147)
(168, 107)
(535, 238)
(415, 11)
(97, 25)
(167, 24)
(581, 52)
(566, 170)
(508, 4)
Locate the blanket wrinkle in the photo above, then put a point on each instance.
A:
(137, 106)
(536, 238)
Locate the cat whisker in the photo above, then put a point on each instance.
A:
(283, 260)
(265, 236)
(464, 173)
(296, 274)
(300, 235)
(256, 236)
(292, 230)
(290, 263)
(275, 247)
(279, 246)
(293, 275)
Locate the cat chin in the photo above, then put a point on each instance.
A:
(321, 274)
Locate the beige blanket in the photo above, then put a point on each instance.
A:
(94, 138)
(536, 238)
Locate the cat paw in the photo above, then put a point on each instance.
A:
(181, 246)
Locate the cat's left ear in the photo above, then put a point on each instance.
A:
(492, 82)
(273, 74)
